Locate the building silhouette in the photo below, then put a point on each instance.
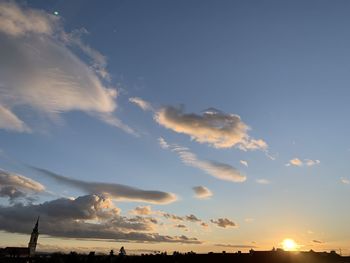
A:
(24, 252)
(34, 239)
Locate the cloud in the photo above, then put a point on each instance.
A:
(173, 217)
(262, 181)
(144, 105)
(16, 21)
(116, 191)
(223, 222)
(189, 218)
(317, 241)
(298, 162)
(345, 181)
(40, 73)
(218, 129)
(14, 186)
(142, 210)
(86, 217)
(245, 163)
(192, 218)
(202, 192)
(9, 121)
(311, 162)
(295, 162)
(219, 170)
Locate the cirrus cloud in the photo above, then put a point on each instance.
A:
(219, 170)
(40, 73)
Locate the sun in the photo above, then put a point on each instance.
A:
(289, 245)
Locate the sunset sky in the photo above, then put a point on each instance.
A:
(175, 125)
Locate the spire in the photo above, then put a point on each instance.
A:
(36, 228)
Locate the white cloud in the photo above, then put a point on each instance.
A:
(345, 180)
(309, 162)
(144, 105)
(213, 127)
(9, 121)
(219, 170)
(245, 163)
(202, 192)
(39, 71)
(262, 181)
(298, 162)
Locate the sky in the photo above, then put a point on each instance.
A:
(175, 125)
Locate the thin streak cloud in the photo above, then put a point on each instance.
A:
(115, 191)
(216, 169)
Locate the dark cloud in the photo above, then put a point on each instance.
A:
(317, 241)
(173, 217)
(223, 222)
(192, 218)
(86, 217)
(116, 191)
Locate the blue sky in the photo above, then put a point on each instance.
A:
(281, 66)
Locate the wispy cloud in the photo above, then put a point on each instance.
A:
(213, 127)
(202, 192)
(219, 170)
(262, 181)
(48, 78)
(223, 222)
(305, 162)
(345, 180)
(245, 163)
(116, 191)
(144, 105)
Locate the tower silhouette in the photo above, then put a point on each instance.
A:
(34, 238)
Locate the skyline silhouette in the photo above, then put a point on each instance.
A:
(182, 126)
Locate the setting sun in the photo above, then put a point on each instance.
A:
(289, 245)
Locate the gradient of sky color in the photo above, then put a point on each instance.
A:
(282, 66)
